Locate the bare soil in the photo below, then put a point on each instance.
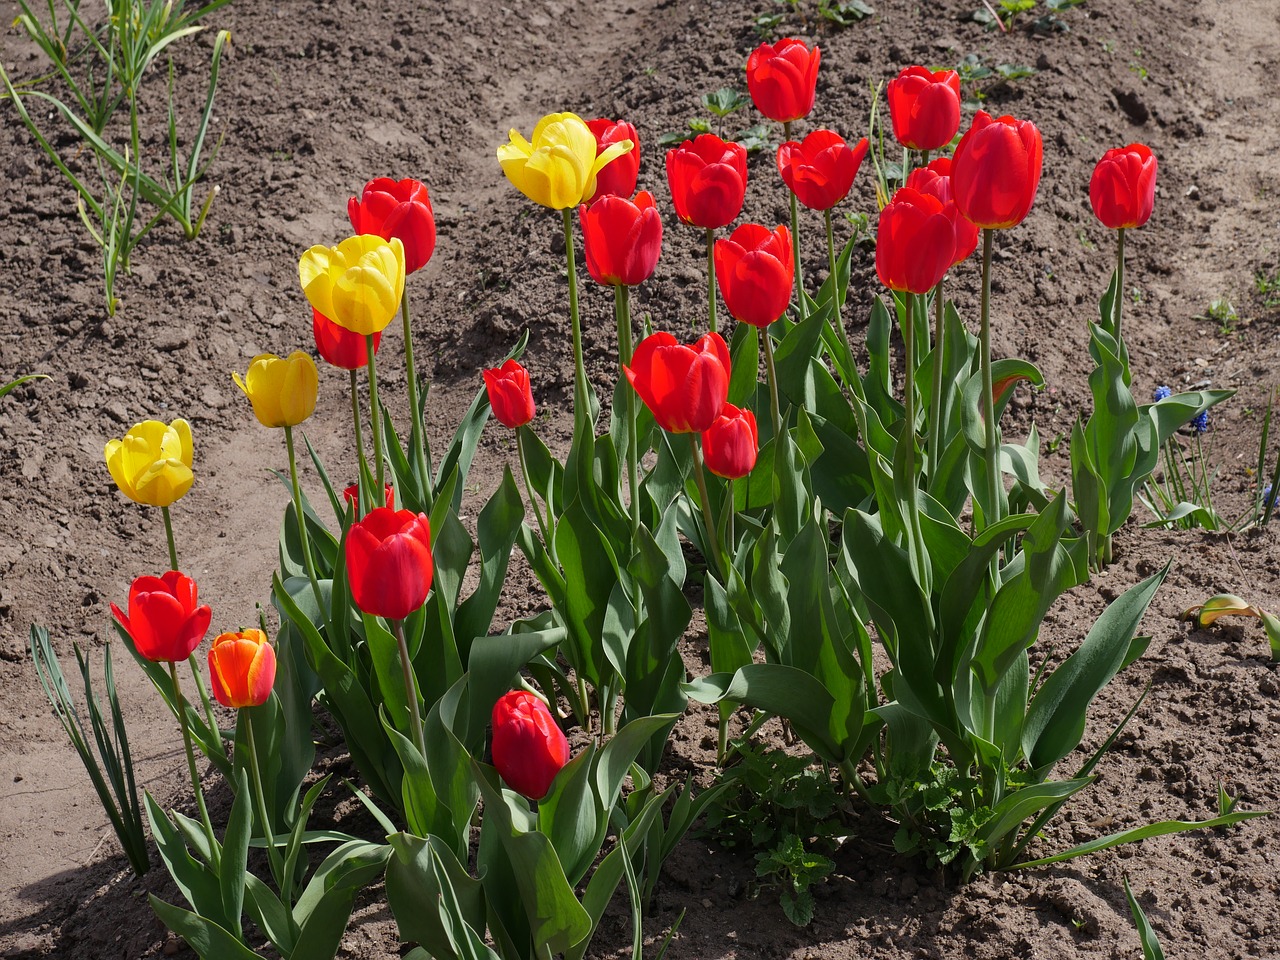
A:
(318, 97)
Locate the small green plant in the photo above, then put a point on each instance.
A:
(794, 868)
(721, 104)
(844, 13)
(766, 25)
(1268, 287)
(863, 232)
(7, 388)
(1151, 949)
(1183, 496)
(1222, 312)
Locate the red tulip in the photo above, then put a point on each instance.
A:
(623, 238)
(510, 394)
(1123, 187)
(389, 564)
(782, 78)
(618, 176)
(708, 180)
(914, 242)
(935, 181)
(528, 746)
(337, 345)
(164, 621)
(242, 668)
(924, 107)
(352, 495)
(388, 208)
(820, 169)
(996, 171)
(730, 445)
(754, 270)
(685, 386)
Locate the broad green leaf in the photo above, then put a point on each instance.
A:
(206, 938)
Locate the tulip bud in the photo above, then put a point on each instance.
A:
(617, 177)
(152, 463)
(1122, 189)
(995, 172)
(352, 495)
(708, 180)
(915, 242)
(338, 346)
(559, 167)
(622, 238)
(164, 620)
(389, 566)
(510, 395)
(924, 107)
(685, 387)
(731, 444)
(402, 209)
(754, 271)
(820, 169)
(935, 181)
(357, 284)
(282, 391)
(528, 746)
(242, 668)
(782, 78)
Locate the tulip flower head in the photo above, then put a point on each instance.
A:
(558, 168)
(685, 387)
(282, 391)
(731, 444)
(357, 284)
(529, 747)
(242, 668)
(1122, 189)
(935, 181)
(754, 270)
(510, 394)
(708, 180)
(995, 172)
(915, 242)
(389, 566)
(623, 239)
(151, 464)
(397, 208)
(782, 78)
(352, 495)
(338, 346)
(165, 621)
(617, 177)
(820, 169)
(924, 107)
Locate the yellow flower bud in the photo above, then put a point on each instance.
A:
(357, 284)
(559, 167)
(282, 391)
(152, 463)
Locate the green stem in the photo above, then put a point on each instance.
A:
(181, 704)
(622, 295)
(168, 535)
(713, 534)
(416, 429)
(528, 485)
(906, 164)
(774, 405)
(303, 540)
(375, 420)
(410, 689)
(802, 309)
(583, 709)
(364, 502)
(917, 550)
(1117, 308)
(935, 399)
(581, 386)
(711, 280)
(255, 773)
(991, 447)
(835, 292)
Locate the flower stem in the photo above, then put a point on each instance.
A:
(375, 420)
(528, 485)
(255, 773)
(774, 405)
(835, 293)
(581, 387)
(1117, 308)
(713, 534)
(181, 704)
(168, 535)
(711, 280)
(365, 500)
(802, 309)
(918, 551)
(935, 398)
(303, 540)
(410, 688)
(416, 430)
(622, 295)
(991, 448)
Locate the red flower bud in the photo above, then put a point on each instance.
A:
(389, 565)
(510, 394)
(528, 746)
(996, 171)
(164, 620)
(242, 668)
(338, 346)
(730, 445)
(1123, 186)
(754, 271)
(924, 107)
(914, 242)
(782, 78)
(935, 181)
(708, 180)
(618, 176)
(352, 495)
(623, 238)
(685, 386)
(388, 208)
(820, 169)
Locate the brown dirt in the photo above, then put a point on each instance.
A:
(318, 97)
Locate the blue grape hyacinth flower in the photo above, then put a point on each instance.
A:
(1161, 393)
(1201, 422)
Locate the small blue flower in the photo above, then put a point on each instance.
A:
(1268, 499)
(1201, 423)
(1161, 393)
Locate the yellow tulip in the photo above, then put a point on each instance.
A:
(152, 463)
(357, 284)
(283, 392)
(559, 167)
